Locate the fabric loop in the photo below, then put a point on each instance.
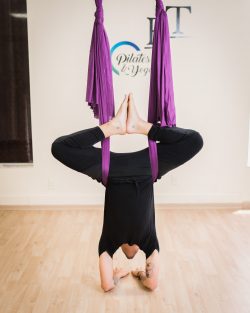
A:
(100, 93)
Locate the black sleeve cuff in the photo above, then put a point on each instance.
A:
(98, 133)
(152, 134)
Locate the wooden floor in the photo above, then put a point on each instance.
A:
(49, 263)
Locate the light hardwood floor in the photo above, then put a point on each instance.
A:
(49, 263)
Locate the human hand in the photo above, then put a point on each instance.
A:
(138, 273)
(120, 272)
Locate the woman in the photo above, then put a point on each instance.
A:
(129, 212)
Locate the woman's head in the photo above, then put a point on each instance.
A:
(129, 251)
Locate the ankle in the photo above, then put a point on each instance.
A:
(111, 128)
(144, 127)
(107, 129)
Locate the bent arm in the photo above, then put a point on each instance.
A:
(109, 277)
(150, 277)
(106, 272)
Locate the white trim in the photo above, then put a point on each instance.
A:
(239, 208)
(98, 199)
(16, 164)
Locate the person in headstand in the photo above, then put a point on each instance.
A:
(129, 211)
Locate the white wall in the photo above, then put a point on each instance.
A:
(210, 70)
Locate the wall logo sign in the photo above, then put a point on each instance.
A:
(129, 59)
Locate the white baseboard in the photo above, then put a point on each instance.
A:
(82, 201)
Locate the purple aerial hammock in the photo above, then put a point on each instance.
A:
(100, 92)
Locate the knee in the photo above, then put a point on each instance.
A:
(195, 144)
(197, 141)
(107, 287)
(55, 148)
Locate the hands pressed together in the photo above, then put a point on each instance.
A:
(138, 273)
(148, 276)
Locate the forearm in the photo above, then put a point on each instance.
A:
(112, 284)
(116, 279)
(149, 276)
(145, 280)
(109, 276)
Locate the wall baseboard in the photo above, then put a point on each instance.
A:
(166, 206)
(98, 199)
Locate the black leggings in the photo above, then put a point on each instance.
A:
(175, 146)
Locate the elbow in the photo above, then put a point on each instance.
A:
(107, 287)
(152, 285)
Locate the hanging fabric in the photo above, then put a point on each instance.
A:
(100, 93)
(161, 106)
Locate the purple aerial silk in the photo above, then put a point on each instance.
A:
(100, 93)
(161, 105)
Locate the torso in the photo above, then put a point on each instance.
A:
(129, 213)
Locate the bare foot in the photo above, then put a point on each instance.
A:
(133, 121)
(118, 122)
(135, 124)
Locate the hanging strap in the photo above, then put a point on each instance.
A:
(161, 107)
(100, 93)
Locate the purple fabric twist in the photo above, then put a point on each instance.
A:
(99, 14)
(100, 93)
